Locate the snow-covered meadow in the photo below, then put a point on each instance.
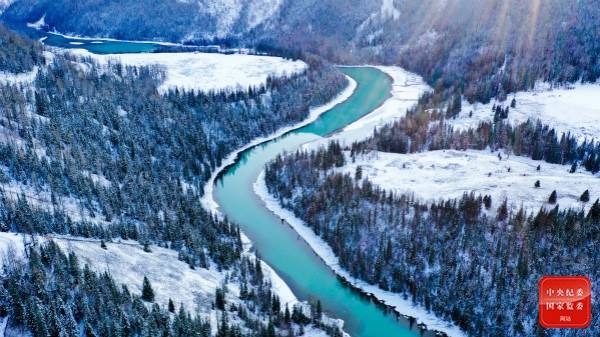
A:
(207, 71)
(444, 174)
(574, 108)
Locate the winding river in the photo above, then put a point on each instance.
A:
(278, 244)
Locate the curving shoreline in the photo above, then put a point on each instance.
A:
(393, 108)
(208, 201)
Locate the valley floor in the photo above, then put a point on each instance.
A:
(447, 174)
(570, 109)
(207, 71)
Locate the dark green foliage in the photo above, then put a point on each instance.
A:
(487, 201)
(422, 130)
(66, 296)
(220, 299)
(18, 54)
(147, 291)
(154, 151)
(552, 198)
(585, 196)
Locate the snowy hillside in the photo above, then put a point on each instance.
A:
(4, 4)
(128, 263)
(573, 109)
(228, 13)
(449, 174)
(208, 71)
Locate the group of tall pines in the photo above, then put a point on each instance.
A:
(98, 152)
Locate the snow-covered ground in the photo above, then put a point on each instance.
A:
(171, 278)
(39, 24)
(324, 251)
(4, 5)
(207, 71)
(128, 264)
(3, 322)
(446, 174)
(20, 78)
(42, 199)
(574, 108)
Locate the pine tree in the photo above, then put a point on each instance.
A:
(585, 197)
(513, 103)
(171, 306)
(573, 167)
(594, 213)
(358, 173)
(147, 292)
(220, 299)
(502, 211)
(537, 184)
(487, 201)
(89, 331)
(552, 198)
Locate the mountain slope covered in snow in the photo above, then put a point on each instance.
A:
(147, 19)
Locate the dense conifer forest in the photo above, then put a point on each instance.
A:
(426, 128)
(117, 159)
(53, 295)
(97, 151)
(476, 267)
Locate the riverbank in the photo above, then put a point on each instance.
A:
(406, 90)
(208, 201)
(396, 301)
(279, 286)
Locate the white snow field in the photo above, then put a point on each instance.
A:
(18, 78)
(128, 263)
(444, 174)
(170, 278)
(207, 71)
(574, 108)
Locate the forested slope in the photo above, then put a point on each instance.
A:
(478, 268)
(97, 151)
